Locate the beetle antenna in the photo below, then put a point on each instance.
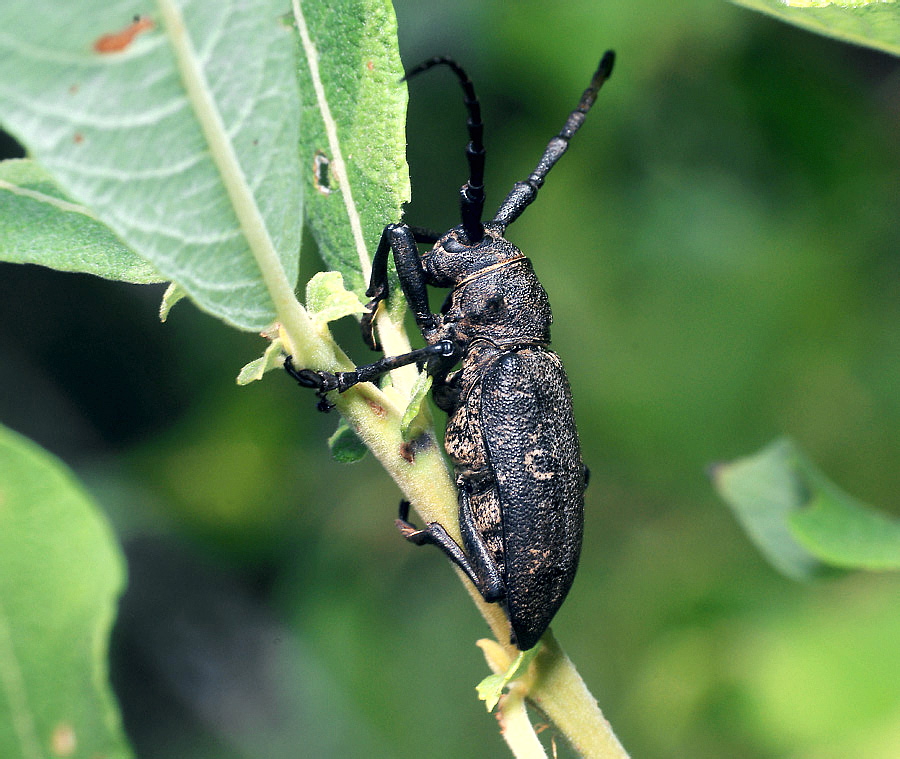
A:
(524, 193)
(471, 194)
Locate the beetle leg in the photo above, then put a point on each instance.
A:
(446, 391)
(325, 382)
(401, 240)
(481, 569)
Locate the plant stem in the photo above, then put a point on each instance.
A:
(516, 728)
(560, 693)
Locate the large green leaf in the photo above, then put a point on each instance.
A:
(873, 24)
(354, 107)
(60, 576)
(183, 142)
(801, 521)
(40, 225)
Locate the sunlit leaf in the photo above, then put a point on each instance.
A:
(60, 576)
(354, 109)
(180, 136)
(874, 24)
(40, 225)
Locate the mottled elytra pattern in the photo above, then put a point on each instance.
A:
(539, 476)
(510, 431)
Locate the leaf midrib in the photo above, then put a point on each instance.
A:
(222, 152)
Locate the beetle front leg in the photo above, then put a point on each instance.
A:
(400, 240)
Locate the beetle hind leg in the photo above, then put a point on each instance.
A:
(482, 571)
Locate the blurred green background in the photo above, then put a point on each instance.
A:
(721, 246)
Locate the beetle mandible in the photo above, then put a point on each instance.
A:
(510, 431)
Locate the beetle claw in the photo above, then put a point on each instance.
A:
(321, 382)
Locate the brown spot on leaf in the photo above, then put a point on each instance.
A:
(377, 409)
(78, 138)
(116, 42)
(370, 65)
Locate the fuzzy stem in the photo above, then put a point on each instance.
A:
(516, 728)
(559, 692)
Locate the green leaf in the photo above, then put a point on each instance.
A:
(353, 144)
(491, 688)
(184, 142)
(60, 576)
(873, 24)
(346, 447)
(842, 532)
(39, 224)
(415, 419)
(328, 300)
(258, 367)
(801, 521)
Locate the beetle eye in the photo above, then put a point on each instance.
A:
(451, 244)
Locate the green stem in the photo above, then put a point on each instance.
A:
(559, 692)
(516, 728)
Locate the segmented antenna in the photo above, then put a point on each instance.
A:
(471, 194)
(524, 193)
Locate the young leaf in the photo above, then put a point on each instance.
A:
(346, 447)
(801, 521)
(170, 297)
(40, 225)
(491, 688)
(327, 300)
(258, 367)
(60, 576)
(874, 23)
(842, 532)
(353, 137)
(180, 133)
(415, 420)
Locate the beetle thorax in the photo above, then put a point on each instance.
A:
(453, 259)
(495, 296)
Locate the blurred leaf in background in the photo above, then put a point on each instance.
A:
(801, 521)
(61, 574)
(874, 23)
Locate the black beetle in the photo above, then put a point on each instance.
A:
(510, 433)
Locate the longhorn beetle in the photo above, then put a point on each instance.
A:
(510, 433)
